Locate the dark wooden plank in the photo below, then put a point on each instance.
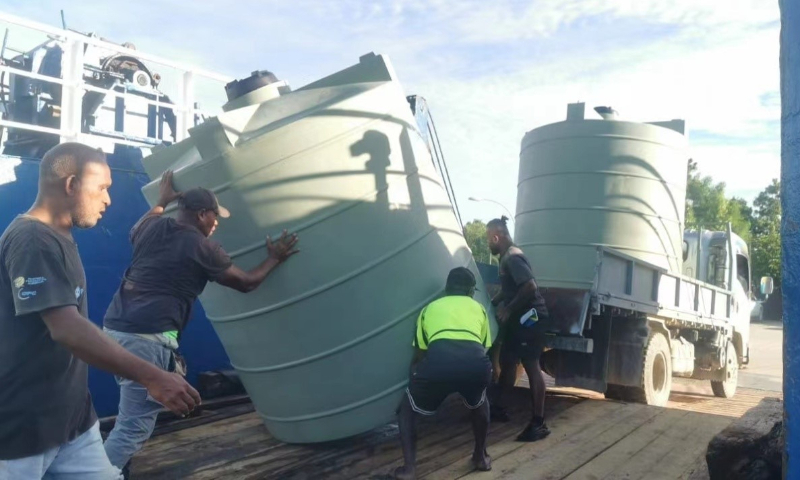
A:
(557, 460)
(360, 456)
(240, 447)
(503, 443)
(690, 450)
(457, 447)
(637, 450)
(698, 470)
(205, 417)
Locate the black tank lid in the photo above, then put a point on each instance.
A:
(256, 80)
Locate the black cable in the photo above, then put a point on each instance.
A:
(449, 183)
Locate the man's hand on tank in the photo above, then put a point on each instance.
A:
(167, 193)
(172, 391)
(283, 248)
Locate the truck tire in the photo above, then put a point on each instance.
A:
(656, 381)
(727, 387)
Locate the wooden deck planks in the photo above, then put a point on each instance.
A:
(591, 439)
(563, 425)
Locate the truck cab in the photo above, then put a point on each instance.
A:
(723, 260)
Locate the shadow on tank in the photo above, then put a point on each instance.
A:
(657, 221)
(335, 324)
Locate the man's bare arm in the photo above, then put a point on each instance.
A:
(87, 342)
(247, 281)
(244, 281)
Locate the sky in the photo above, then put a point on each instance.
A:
(491, 71)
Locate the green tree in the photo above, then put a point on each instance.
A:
(475, 234)
(766, 244)
(707, 206)
(740, 214)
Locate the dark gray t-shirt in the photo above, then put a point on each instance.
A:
(515, 271)
(172, 263)
(44, 395)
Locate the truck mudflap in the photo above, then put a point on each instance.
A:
(573, 344)
(568, 309)
(579, 369)
(612, 352)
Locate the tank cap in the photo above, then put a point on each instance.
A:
(607, 113)
(256, 80)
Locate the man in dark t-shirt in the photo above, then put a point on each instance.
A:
(48, 427)
(173, 260)
(523, 316)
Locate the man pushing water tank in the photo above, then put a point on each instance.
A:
(522, 316)
(173, 260)
(450, 357)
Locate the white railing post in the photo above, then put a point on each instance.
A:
(185, 119)
(72, 90)
(73, 87)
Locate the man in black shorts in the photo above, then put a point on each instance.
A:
(450, 357)
(522, 315)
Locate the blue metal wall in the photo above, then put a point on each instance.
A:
(790, 203)
(106, 253)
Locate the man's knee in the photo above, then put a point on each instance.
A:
(137, 426)
(532, 364)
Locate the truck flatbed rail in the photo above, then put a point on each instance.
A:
(629, 284)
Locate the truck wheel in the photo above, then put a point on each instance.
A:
(727, 387)
(656, 379)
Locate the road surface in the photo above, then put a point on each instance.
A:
(765, 371)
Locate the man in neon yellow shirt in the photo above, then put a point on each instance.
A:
(450, 357)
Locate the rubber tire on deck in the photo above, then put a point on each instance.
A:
(656, 381)
(727, 388)
(617, 392)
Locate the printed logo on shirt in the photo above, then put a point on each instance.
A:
(78, 292)
(26, 294)
(19, 282)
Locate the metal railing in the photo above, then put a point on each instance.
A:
(74, 87)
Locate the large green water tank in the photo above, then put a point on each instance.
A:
(585, 183)
(323, 346)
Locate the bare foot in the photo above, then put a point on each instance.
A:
(405, 473)
(482, 462)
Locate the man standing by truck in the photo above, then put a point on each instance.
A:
(173, 260)
(522, 315)
(449, 357)
(48, 426)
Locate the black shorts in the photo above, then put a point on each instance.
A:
(522, 343)
(450, 366)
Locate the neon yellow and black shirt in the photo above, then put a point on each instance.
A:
(455, 317)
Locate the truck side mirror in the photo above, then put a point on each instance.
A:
(767, 285)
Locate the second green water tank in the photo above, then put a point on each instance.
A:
(586, 183)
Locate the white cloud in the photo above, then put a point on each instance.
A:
(493, 70)
(747, 169)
